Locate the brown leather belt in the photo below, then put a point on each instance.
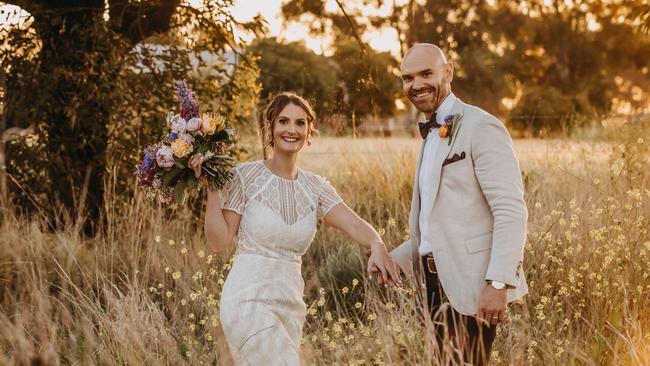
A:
(430, 264)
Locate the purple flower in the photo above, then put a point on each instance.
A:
(147, 168)
(189, 107)
(193, 125)
(449, 118)
(172, 136)
(165, 157)
(149, 158)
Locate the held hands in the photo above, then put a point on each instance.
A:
(492, 305)
(382, 266)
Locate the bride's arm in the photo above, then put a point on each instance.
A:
(346, 220)
(220, 225)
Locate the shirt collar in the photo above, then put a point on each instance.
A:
(445, 108)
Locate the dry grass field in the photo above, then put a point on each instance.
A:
(147, 292)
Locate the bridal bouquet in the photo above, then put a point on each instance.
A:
(164, 171)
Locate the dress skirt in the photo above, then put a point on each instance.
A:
(262, 310)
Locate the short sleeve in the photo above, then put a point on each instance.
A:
(328, 198)
(232, 195)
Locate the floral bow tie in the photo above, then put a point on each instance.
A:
(425, 127)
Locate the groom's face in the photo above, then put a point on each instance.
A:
(426, 80)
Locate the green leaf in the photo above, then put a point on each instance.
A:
(203, 148)
(192, 182)
(224, 135)
(170, 177)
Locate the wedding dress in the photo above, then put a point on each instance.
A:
(262, 310)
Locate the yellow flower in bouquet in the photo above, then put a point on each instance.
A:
(181, 148)
(212, 123)
(164, 172)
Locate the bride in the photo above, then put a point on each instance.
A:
(272, 207)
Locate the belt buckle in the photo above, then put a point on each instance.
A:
(431, 265)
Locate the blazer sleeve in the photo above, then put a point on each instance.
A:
(402, 256)
(498, 174)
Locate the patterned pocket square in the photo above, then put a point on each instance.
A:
(454, 158)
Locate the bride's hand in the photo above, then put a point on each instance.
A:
(195, 163)
(382, 265)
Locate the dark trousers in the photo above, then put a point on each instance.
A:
(469, 339)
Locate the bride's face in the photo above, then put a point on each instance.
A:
(290, 130)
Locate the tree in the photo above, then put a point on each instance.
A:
(74, 73)
(457, 26)
(586, 54)
(369, 84)
(597, 59)
(292, 67)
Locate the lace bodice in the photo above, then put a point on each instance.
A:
(279, 216)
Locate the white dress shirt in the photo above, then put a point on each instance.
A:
(425, 185)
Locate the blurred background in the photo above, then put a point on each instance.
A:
(93, 273)
(84, 85)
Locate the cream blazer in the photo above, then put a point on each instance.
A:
(478, 214)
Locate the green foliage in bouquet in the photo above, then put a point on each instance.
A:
(164, 172)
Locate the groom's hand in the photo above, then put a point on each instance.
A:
(381, 265)
(492, 305)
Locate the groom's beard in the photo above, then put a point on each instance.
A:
(439, 93)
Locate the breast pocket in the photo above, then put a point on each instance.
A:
(456, 175)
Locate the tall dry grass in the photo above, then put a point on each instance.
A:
(147, 292)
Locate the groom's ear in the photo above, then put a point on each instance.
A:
(449, 70)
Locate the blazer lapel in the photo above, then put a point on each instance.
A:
(443, 150)
(415, 200)
(414, 222)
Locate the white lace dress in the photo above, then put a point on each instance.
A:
(262, 310)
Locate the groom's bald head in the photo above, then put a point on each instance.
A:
(426, 76)
(427, 50)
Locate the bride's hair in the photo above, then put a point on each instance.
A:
(277, 105)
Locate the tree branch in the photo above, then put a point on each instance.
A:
(353, 28)
(137, 21)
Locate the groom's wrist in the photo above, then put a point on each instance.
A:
(499, 285)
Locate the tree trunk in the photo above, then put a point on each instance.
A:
(73, 78)
(73, 58)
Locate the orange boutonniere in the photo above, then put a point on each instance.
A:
(448, 129)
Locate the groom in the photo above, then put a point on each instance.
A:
(468, 216)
